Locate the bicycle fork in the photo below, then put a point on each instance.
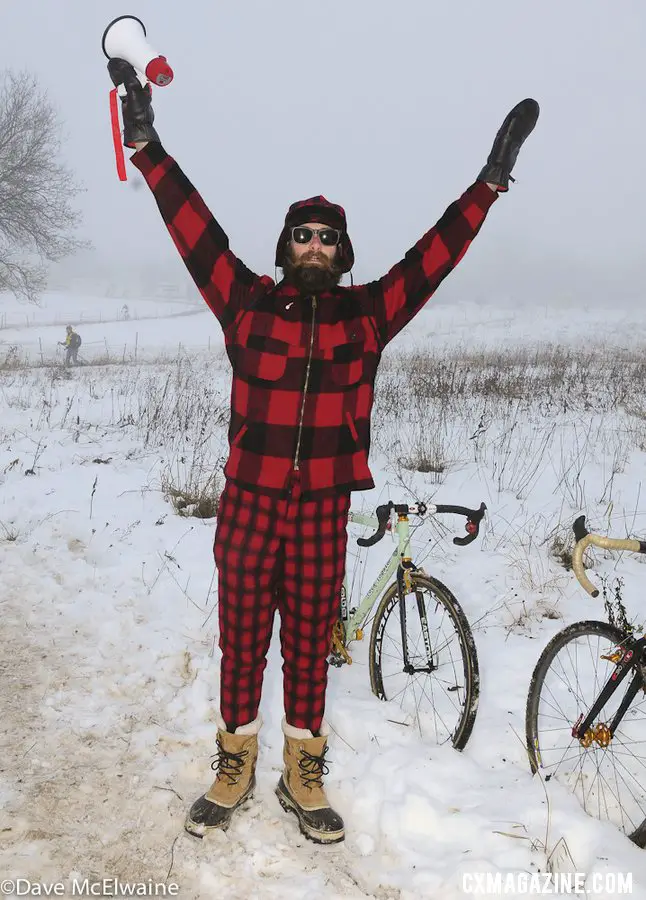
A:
(404, 587)
(603, 733)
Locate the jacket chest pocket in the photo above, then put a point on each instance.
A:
(262, 358)
(266, 348)
(342, 359)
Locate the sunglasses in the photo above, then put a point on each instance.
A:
(329, 237)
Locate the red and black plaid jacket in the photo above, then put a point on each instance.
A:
(303, 368)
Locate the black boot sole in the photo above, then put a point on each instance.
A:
(201, 829)
(318, 837)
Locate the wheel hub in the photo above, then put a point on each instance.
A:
(599, 734)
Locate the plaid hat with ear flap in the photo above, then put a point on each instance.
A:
(317, 209)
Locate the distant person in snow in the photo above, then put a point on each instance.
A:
(72, 343)
(304, 353)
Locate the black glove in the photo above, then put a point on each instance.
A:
(518, 125)
(137, 111)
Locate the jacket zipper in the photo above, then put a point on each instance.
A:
(305, 386)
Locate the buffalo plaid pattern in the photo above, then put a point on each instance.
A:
(285, 554)
(303, 367)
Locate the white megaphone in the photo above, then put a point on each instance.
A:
(125, 38)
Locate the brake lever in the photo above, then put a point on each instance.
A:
(579, 529)
(383, 515)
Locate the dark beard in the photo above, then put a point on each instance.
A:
(310, 279)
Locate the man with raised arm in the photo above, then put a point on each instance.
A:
(304, 353)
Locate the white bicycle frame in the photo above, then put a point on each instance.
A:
(353, 619)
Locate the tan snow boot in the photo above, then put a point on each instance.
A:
(235, 781)
(300, 789)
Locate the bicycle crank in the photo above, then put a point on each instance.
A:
(338, 652)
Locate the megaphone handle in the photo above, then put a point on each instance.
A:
(116, 136)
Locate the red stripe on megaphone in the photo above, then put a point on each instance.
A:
(159, 72)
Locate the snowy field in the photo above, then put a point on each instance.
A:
(109, 604)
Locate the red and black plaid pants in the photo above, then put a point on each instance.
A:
(284, 554)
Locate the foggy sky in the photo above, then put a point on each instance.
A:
(388, 108)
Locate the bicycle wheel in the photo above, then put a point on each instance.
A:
(425, 660)
(609, 775)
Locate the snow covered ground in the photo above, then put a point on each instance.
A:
(109, 620)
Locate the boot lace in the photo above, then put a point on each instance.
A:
(312, 768)
(229, 765)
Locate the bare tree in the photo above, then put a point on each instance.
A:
(37, 219)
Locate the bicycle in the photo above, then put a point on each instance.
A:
(584, 726)
(417, 628)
